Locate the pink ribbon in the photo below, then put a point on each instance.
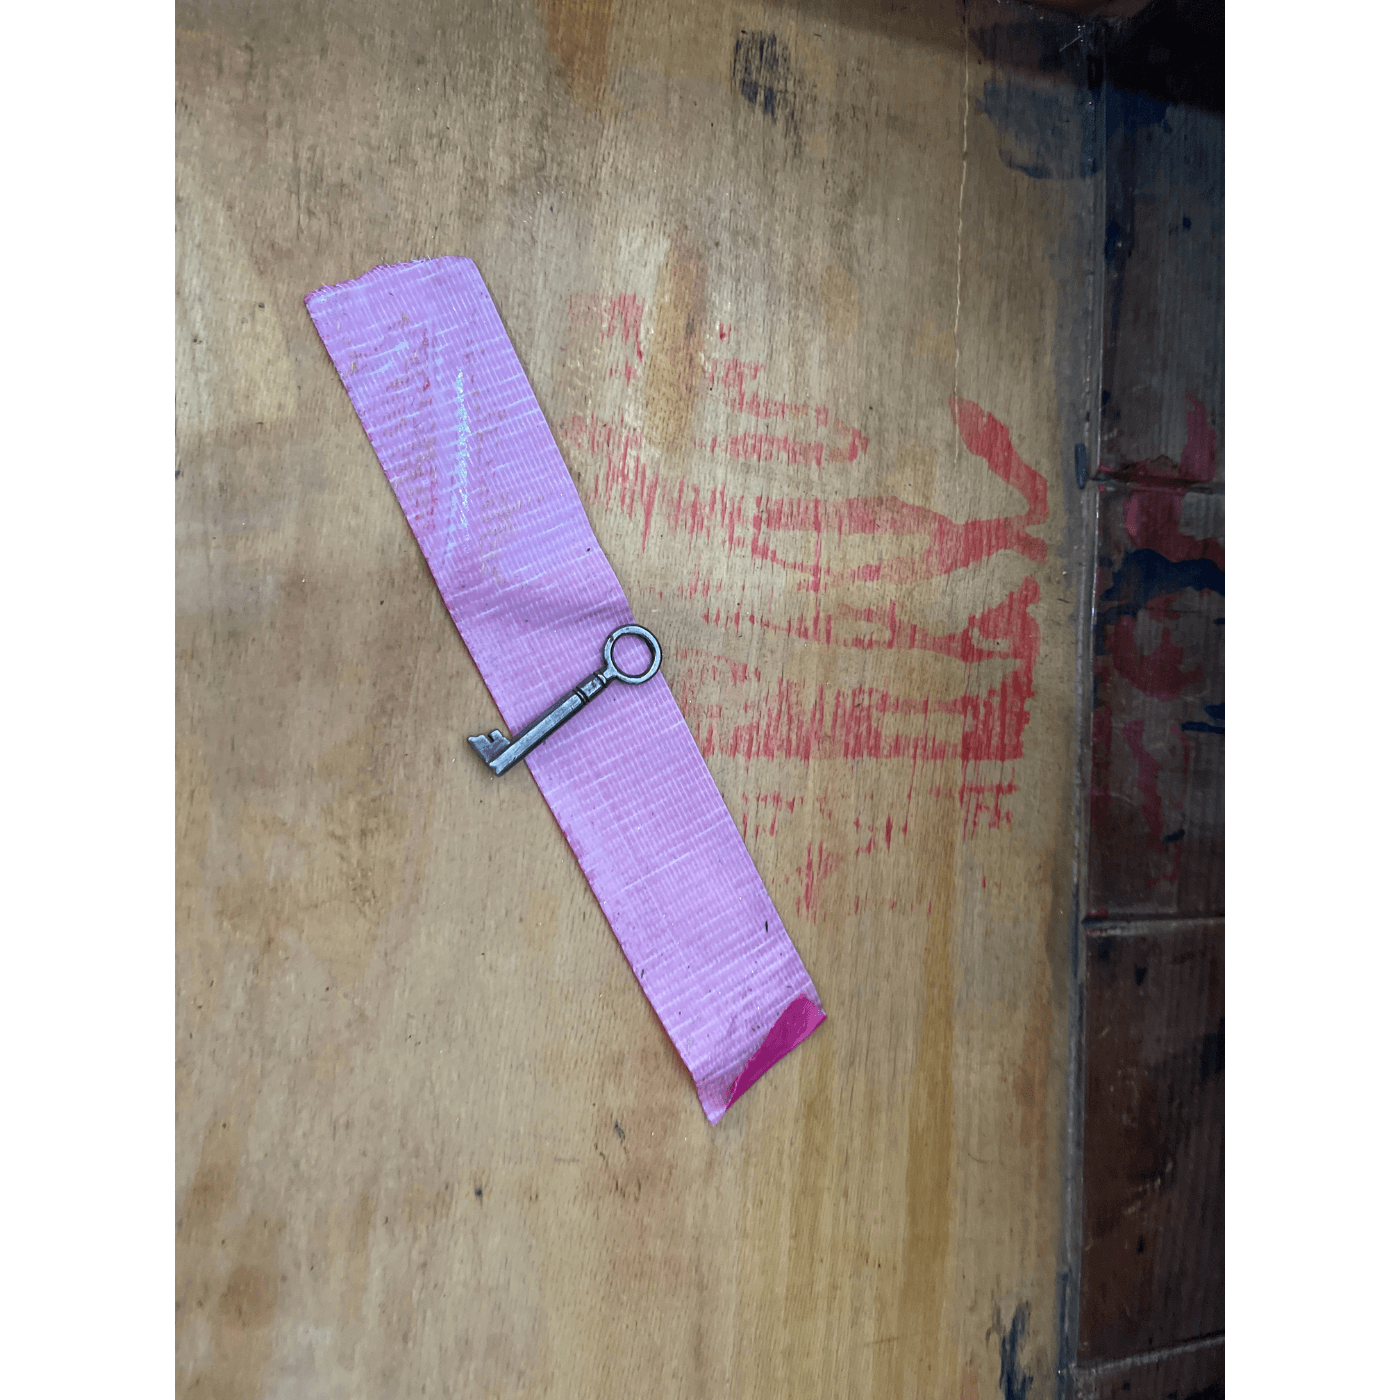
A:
(436, 383)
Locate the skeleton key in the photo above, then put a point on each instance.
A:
(500, 752)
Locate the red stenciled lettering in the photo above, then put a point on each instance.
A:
(951, 545)
(625, 477)
(736, 712)
(618, 316)
(856, 723)
(817, 871)
(731, 373)
(1157, 673)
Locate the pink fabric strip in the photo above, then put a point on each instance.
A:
(436, 383)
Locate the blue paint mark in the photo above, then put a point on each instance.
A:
(1104, 398)
(1113, 236)
(1186, 222)
(1134, 111)
(1014, 1382)
(1144, 575)
(1046, 133)
(1081, 465)
(1175, 836)
(1216, 712)
(763, 75)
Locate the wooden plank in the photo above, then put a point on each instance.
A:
(430, 1136)
(1153, 1271)
(1192, 1372)
(1163, 397)
(1157, 800)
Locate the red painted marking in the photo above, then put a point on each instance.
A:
(1198, 456)
(1152, 517)
(732, 372)
(776, 802)
(858, 443)
(841, 724)
(1148, 769)
(761, 406)
(625, 476)
(783, 720)
(763, 811)
(1157, 673)
(990, 439)
(1198, 461)
(994, 722)
(616, 316)
(769, 447)
(855, 723)
(847, 724)
(697, 510)
(851, 445)
(951, 545)
(818, 869)
(744, 399)
(973, 800)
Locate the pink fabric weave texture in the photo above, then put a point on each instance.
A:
(432, 374)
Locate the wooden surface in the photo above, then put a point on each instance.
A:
(1154, 1140)
(1157, 787)
(431, 1139)
(1164, 246)
(1151, 1286)
(1192, 1372)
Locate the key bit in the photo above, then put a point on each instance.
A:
(491, 746)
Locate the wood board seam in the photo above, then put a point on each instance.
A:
(1095, 1369)
(1164, 924)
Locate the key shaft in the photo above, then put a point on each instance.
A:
(536, 732)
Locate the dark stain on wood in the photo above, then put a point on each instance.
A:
(1154, 1141)
(763, 75)
(1014, 1381)
(1157, 786)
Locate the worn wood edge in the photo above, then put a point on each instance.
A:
(1096, 1370)
(1073, 1230)
(1073, 1227)
(1144, 925)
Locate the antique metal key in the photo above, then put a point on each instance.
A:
(500, 752)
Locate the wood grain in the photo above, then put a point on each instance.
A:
(1164, 241)
(1154, 1140)
(1151, 1286)
(1193, 1372)
(1157, 787)
(431, 1139)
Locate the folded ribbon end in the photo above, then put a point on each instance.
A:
(800, 1019)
